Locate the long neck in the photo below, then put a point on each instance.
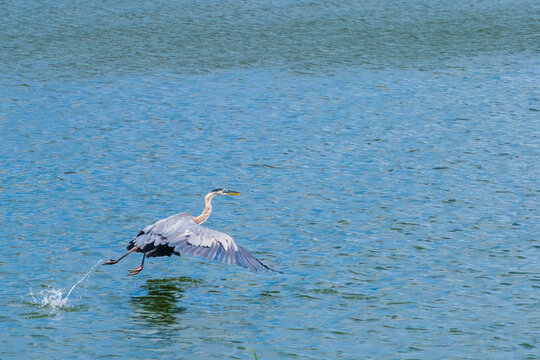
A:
(207, 209)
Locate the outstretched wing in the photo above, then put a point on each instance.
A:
(180, 235)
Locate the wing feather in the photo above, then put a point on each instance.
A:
(213, 251)
(179, 234)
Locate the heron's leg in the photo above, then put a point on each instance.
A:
(138, 270)
(111, 262)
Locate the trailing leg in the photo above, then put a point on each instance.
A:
(111, 262)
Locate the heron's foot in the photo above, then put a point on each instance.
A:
(135, 271)
(110, 262)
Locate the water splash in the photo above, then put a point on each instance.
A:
(54, 299)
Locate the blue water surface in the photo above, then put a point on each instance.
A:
(387, 154)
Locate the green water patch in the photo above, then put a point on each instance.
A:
(159, 304)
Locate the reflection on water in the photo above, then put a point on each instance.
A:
(159, 306)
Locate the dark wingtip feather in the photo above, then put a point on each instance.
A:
(245, 259)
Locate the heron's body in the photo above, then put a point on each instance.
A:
(182, 234)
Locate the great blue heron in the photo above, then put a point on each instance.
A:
(182, 234)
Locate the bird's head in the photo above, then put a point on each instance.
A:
(220, 191)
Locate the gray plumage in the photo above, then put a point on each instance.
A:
(183, 234)
(180, 235)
